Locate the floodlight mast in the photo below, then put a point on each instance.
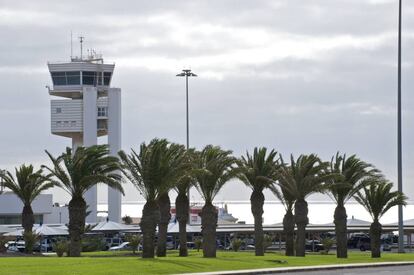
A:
(187, 73)
(399, 138)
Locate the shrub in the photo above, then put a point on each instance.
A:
(134, 241)
(236, 244)
(3, 242)
(127, 219)
(91, 244)
(327, 244)
(60, 248)
(198, 242)
(30, 239)
(267, 241)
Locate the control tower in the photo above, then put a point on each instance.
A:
(87, 109)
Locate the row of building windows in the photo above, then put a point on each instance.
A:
(74, 78)
(17, 219)
(66, 123)
(102, 111)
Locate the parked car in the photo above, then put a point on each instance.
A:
(111, 242)
(190, 245)
(314, 246)
(365, 244)
(14, 246)
(122, 246)
(354, 241)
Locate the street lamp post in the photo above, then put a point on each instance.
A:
(187, 73)
(399, 137)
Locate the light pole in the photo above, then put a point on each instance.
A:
(187, 73)
(399, 137)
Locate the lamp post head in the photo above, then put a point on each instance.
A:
(186, 72)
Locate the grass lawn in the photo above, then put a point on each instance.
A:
(123, 263)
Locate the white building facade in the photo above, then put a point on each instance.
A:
(88, 108)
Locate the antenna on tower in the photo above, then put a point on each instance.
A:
(81, 46)
(71, 45)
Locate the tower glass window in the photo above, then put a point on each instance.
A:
(65, 78)
(73, 78)
(59, 78)
(107, 78)
(102, 111)
(89, 78)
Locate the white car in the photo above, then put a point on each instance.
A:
(122, 246)
(13, 246)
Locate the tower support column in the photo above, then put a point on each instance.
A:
(114, 141)
(90, 130)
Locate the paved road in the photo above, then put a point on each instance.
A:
(395, 270)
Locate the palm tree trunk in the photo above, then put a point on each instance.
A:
(341, 231)
(27, 224)
(77, 215)
(256, 202)
(182, 205)
(150, 219)
(208, 229)
(289, 229)
(375, 234)
(165, 217)
(301, 220)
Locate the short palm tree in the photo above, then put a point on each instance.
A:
(305, 176)
(213, 167)
(288, 202)
(78, 171)
(182, 204)
(258, 171)
(350, 173)
(27, 185)
(377, 198)
(153, 171)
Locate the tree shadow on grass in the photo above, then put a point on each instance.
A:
(188, 264)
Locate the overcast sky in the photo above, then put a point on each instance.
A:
(314, 76)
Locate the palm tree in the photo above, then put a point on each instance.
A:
(153, 171)
(175, 160)
(27, 185)
(377, 198)
(305, 176)
(258, 172)
(288, 219)
(213, 167)
(76, 172)
(182, 205)
(349, 179)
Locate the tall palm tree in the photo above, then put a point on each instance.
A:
(153, 171)
(27, 186)
(258, 172)
(213, 167)
(350, 173)
(288, 202)
(182, 204)
(305, 176)
(377, 198)
(175, 160)
(78, 171)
